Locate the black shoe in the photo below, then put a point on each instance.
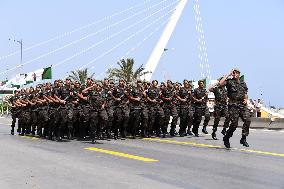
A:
(181, 135)
(12, 132)
(196, 134)
(204, 130)
(244, 142)
(214, 136)
(223, 131)
(93, 141)
(59, 139)
(226, 142)
(189, 133)
(164, 135)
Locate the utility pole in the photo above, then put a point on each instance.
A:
(21, 46)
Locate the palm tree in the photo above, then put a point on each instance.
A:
(125, 71)
(80, 75)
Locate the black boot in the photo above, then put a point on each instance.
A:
(189, 132)
(243, 141)
(204, 130)
(93, 141)
(214, 136)
(172, 132)
(12, 131)
(226, 141)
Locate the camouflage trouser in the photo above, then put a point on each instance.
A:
(121, 118)
(76, 123)
(14, 119)
(134, 120)
(170, 110)
(84, 119)
(186, 118)
(197, 117)
(144, 120)
(66, 121)
(43, 122)
(24, 121)
(156, 119)
(98, 121)
(109, 125)
(236, 111)
(221, 111)
(53, 122)
(34, 122)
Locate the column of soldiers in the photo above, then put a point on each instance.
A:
(106, 110)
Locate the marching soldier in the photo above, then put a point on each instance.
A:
(200, 97)
(167, 96)
(184, 97)
(220, 108)
(237, 106)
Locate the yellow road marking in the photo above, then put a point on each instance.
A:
(183, 143)
(122, 154)
(213, 146)
(33, 138)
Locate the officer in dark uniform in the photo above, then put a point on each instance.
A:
(200, 97)
(220, 108)
(167, 96)
(237, 106)
(156, 112)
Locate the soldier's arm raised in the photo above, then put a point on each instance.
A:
(223, 80)
(81, 96)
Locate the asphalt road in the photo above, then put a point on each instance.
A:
(188, 162)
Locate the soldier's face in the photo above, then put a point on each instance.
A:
(236, 74)
(106, 82)
(121, 82)
(155, 83)
(186, 85)
(77, 85)
(201, 84)
(67, 82)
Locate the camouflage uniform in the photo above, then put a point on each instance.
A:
(156, 112)
(220, 109)
(237, 93)
(169, 110)
(186, 111)
(121, 111)
(200, 109)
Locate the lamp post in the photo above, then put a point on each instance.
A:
(21, 45)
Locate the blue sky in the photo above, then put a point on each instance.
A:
(247, 34)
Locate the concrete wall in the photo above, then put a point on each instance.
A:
(264, 123)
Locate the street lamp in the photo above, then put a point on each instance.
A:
(21, 45)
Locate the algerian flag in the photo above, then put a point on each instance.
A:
(47, 73)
